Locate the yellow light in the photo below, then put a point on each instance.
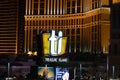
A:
(29, 53)
(64, 42)
(35, 53)
(46, 44)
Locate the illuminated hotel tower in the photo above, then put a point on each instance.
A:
(86, 23)
(8, 26)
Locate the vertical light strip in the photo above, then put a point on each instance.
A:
(38, 7)
(84, 5)
(48, 6)
(29, 6)
(16, 48)
(75, 34)
(80, 21)
(28, 34)
(90, 4)
(65, 7)
(100, 3)
(60, 7)
(45, 8)
(75, 6)
(69, 36)
(81, 5)
(25, 37)
(26, 7)
(54, 6)
(51, 10)
(32, 7)
(70, 6)
(57, 6)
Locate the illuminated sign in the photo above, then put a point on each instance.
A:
(54, 45)
(62, 73)
(56, 60)
(46, 72)
(55, 49)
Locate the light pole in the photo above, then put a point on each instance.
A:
(8, 70)
(107, 67)
(113, 71)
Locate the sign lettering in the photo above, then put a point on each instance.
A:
(54, 45)
(55, 48)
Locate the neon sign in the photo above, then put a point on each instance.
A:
(54, 45)
(53, 39)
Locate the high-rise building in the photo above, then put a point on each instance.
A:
(86, 23)
(8, 26)
(115, 29)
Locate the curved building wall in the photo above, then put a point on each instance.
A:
(80, 20)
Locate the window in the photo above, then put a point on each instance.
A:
(41, 0)
(95, 4)
(67, 31)
(33, 23)
(78, 38)
(73, 10)
(35, 0)
(73, 3)
(35, 8)
(36, 23)
(68, 10)
(72, 38)
(73, 31)
(53, 22)
(78, 2)
(68, 4)
(41, 5)
(78, 9)
(35, 11)
(78, 31)
(41, 8)
(35, 5)
(41, 11)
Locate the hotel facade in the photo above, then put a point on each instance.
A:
(8, 26)
(86, 23)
